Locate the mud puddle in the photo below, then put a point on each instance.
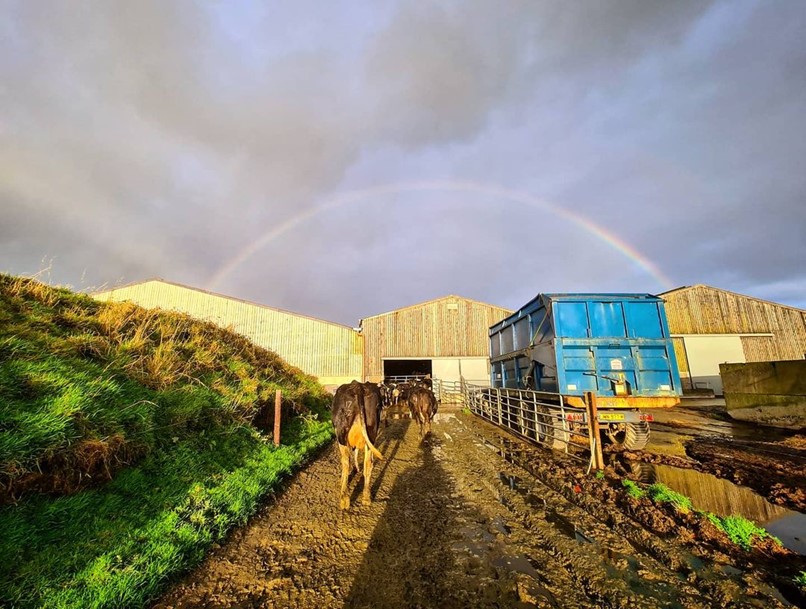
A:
(701, 435)
(710, 418)
(620, 566)
(712, 494)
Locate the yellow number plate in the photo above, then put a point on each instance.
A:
(611, 416)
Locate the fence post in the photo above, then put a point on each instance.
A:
(278, 411)
(594, 436)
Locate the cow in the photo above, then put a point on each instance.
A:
(423, 406)
(397, 388)
(356, 414)
(386, 394)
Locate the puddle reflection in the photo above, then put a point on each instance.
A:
(724, 498)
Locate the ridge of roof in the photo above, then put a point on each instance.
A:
(425, 302)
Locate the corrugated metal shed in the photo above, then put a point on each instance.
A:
(331, 352)
(768, 331)
(447, 327)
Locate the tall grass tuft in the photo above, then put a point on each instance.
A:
(633, 490)
(663, 494)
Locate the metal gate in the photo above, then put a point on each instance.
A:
(539, 417)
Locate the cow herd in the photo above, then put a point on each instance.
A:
(357, 414)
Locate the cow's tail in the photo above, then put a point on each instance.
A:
(364, 433)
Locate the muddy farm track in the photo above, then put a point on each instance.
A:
(457, 522)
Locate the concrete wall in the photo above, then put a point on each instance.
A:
(770, 393)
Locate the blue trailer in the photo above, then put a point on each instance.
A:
(615, 345)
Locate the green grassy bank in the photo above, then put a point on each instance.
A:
(129, 442)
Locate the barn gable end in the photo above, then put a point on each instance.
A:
(450, 332)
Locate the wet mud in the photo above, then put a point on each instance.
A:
(774, 470)
(472, 517)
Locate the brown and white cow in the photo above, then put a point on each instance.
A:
(356, 416)
(423, 406)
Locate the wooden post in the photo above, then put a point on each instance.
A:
(594, 435)
(278, 411)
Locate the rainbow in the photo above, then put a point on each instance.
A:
(358, 196)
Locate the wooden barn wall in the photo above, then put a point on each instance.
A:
(682, 361)
(703, 310)
(328, 351)
(431, 329)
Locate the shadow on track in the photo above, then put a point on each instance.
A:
(409, 554)
(392, 436)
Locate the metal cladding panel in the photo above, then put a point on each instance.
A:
(451, 326)
(323, 349)
(585, 342)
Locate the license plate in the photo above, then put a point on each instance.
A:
(611, 416)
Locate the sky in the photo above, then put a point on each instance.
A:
(343, 159)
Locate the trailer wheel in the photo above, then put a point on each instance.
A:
(630, 436)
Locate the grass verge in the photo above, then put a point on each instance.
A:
(118, 545)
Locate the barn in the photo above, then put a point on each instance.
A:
(446, 338)
(329, 351)
(710, 326)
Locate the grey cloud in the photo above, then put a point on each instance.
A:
(440, 70)
(144, 139)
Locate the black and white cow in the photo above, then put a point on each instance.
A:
(356, 416)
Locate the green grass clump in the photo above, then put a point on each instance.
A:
(740, 530)
(800, 579)
(633, 490)
(130, 441)
(117, 545)
(663, 494)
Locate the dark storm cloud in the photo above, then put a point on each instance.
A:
(160, 138)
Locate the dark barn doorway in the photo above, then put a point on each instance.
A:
(406, 367)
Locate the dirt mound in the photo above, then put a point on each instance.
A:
(87, 388)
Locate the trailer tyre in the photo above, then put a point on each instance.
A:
(634, 437)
